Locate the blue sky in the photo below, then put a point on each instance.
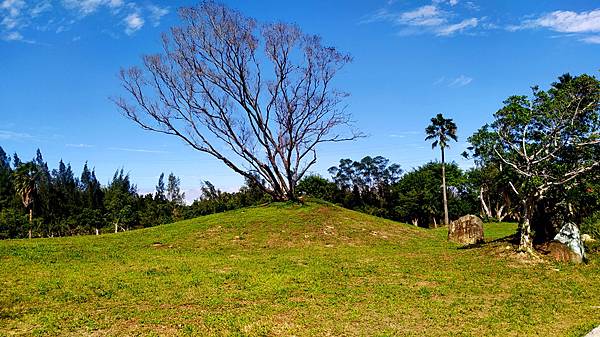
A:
(412, 59)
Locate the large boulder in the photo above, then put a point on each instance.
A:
(560, 252)
(467, 230)
(569, 236)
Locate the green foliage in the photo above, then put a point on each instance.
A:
(591, 225)
(64, 205)
(13, 223)
(419, 195)
(441, 131)
(549, 144)
(213, 200)
(318, 187)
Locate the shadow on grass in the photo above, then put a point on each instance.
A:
(512, 239)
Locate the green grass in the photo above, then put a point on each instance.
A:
(289, 270)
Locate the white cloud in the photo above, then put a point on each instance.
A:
(458, 27)
(11, 10)
(594, 39)
(9, 22)
(13, 7)
(40, 8)
(115, 3)
(84, 7)
(449, 2)
(135, 150)
(460, 81)
(156, 13)
(133, 23)
(19, 18)
(566, 22)
(436, 18)
(423, 16)
(13, 36)
(578, 24)
(11, 135)
(79, 145)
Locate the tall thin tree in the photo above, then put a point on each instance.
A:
(442, 130)
(26, 181)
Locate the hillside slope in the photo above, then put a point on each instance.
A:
(288, 270)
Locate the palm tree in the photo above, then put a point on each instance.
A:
(26, 182)
(442, 130)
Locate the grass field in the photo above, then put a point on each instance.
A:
(289, 270)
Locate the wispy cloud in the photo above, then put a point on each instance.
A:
(135, 150)
(438, 18)
(584, 25)
(458, 27)
(20, 18)
(79, 145)
(133, 23)
(11, 135)
(156, 13)
(460, 81)
(457, 82)
(403, 134)
(41, 7)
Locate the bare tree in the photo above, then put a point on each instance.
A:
(209, 87)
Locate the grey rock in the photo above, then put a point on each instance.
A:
(569, 236)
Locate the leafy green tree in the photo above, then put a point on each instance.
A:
(550, 140)
(7, 192)
(119, 200)
(366, 183)
(91, 213)
(175, 197)
(319, 187)
(418, 197)
(441, 131)
(174, 194)
(27, 178)
(160, 189)
(489, 184)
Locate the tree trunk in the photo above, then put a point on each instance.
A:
(526, 242)
(117, 226)
(446, 220)
(486, 209)
(97, 232)
(500, 215)
(30, 221)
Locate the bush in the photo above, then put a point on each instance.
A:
(591, 225)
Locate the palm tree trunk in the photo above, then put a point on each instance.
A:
(446, 220)
(30, 221)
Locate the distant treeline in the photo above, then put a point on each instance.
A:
(39, 202)
(59, 204)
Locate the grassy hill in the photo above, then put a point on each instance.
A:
(289, 270)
